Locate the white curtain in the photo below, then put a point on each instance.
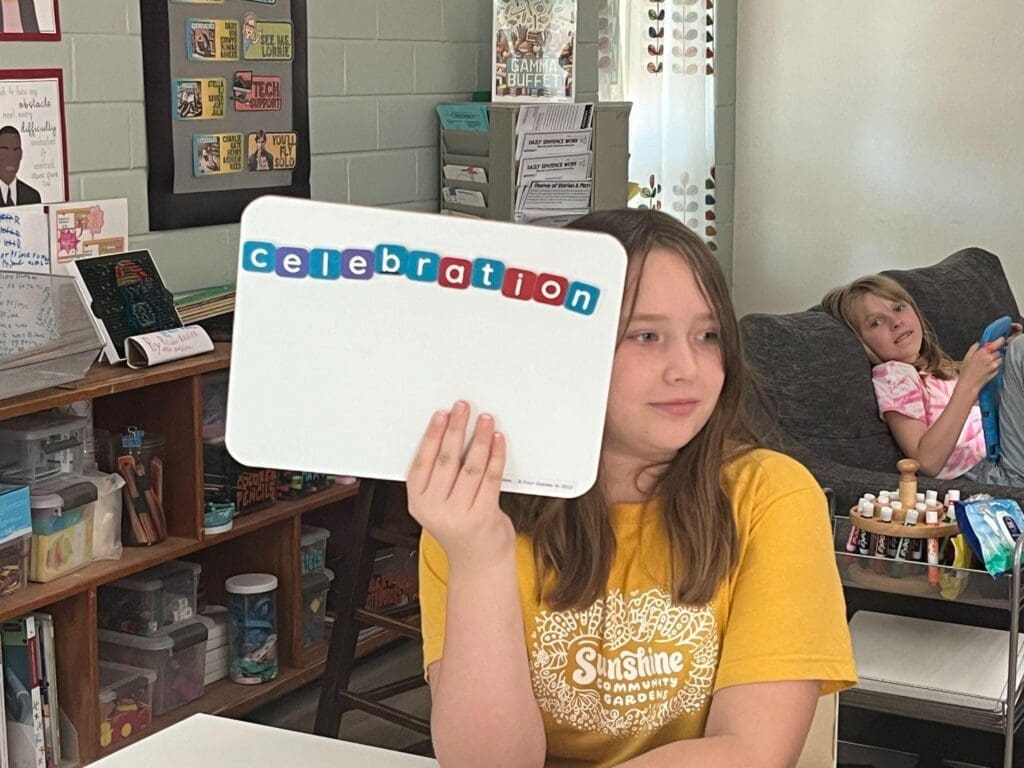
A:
(659, 55)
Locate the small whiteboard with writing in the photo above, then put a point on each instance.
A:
(28, 313)
(353, 325)
(24, 239)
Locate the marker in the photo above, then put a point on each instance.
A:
(882, 544)
(917, 546)
(864, 542)
(932, 519)
(851, 541)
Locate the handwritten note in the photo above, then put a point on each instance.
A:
(163, 346)
(27, 316)
(24, 239)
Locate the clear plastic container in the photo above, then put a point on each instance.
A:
(151, 600)
(126, 702)
(252, 627)
(41, 445)
(314, 548)
(62, 510)
(315, 586)
(176, 654)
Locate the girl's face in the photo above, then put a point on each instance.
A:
(890, 329)
(668, 370)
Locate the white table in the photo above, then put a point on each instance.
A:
(205, 741)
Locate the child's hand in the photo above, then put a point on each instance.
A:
(457, 501)
(980, 365)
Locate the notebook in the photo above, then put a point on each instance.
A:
(353, 325)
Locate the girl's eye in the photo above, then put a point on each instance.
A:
(644, 337)
(873, 324)
(899, 308)
(710, 337)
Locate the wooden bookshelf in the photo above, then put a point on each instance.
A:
(168, 400)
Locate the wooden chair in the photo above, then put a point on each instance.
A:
(380, 520)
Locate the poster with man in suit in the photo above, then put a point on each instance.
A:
(33, 165)
(13, 191)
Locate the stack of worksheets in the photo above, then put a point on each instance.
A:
(933, 670)
(554, 162)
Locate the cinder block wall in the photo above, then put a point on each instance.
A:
(376, 70)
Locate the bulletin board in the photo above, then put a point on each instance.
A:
(226, 107)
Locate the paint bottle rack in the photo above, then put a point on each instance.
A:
(898, 529)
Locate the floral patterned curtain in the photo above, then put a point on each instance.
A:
(659, 55)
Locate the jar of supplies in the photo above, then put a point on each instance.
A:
(252, 627)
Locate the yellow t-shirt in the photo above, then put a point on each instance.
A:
(634, 671)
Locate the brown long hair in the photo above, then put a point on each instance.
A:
(573, 542)
(841, 303)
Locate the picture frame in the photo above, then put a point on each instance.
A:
(38, 20)
(200, 144)
(33, 136)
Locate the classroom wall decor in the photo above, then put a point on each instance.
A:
(226, 107)
(33, 146)
(26, 20)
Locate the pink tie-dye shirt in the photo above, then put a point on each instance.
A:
(900, 388)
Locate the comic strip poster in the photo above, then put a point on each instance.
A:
(212, 39)
(266, 40)
(199, 99)
(534, 46)
(256, 93)
(216, 153)
(33, 150)
(271, 151)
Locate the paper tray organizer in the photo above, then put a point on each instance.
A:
(494, 150)
(47, 336)
(965, 668)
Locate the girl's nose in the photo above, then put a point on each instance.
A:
(681, 364)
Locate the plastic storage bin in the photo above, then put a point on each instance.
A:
(252, 627)
(314, 548)
(41, 445)
(15, 537)
(176, 654)
(62, 510)
(149, 601)
(126, 702)
(315, 586)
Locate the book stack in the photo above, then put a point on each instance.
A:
(31, 712)
(554, 161)
(194, 306)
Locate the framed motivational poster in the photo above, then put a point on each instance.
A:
(29, 20)
(33, 146)
(227, 114)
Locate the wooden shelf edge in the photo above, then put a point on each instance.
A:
(229, 699)
(135, 559)
(103, 380)
(282, 510)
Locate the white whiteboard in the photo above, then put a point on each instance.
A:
(340, 374)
